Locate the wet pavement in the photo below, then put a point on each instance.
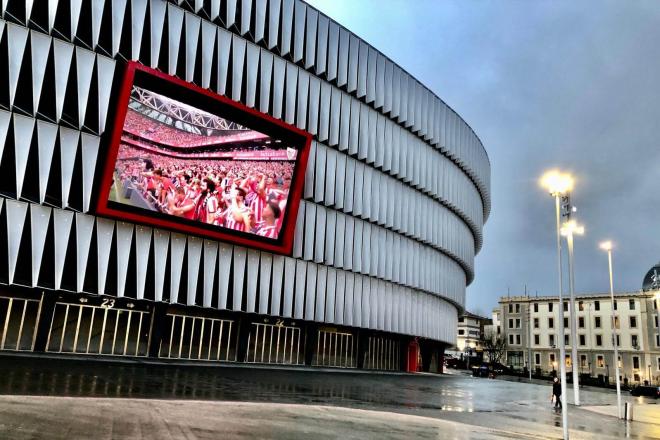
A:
(281, 403)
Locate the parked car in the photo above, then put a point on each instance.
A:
(646, 391)
(480, 370)
(489, 369)
(455, 363)
(499, 368)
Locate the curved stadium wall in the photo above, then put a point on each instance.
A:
(395, 195)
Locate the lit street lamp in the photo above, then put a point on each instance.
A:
(557, 184)
(569, 229)
(607, 246)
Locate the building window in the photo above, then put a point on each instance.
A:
(517, 323)
(599, 340)
(510, 322)
(617, 324)
(618, 340)
(657, 340)
(568, 361)
(511, 339)
(510, 308)
(537, 339)
(536, 307)
(517, 308)
(517, 339)
(498, 330)
(515, 358)
(565, 306)
(549, 307)
(551, 323)
(461, 319)
(655, 321)
(600, 361)
(658, 363)
(581, 322)
(551, 340)
(597, 322)
(615, 305)
(461, 332)
(620, 363)
(583, 361)
(636, 377)
(565, 322)
(581, 306)
(635, 362)
(633, 341)
(597, 305)
(567, 340)
(583, 340)
(633, 322)
(537, 358)
(552, 360)
(631, 304)
(536, 322)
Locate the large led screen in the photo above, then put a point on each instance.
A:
(184, 158)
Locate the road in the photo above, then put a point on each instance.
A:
(66, 398)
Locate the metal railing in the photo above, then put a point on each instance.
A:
(274, 344)
(335, 349)
(198, 338)
(19, 319)
(96, 330)
(382, 354)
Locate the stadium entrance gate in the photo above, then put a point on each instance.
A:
(93, 325)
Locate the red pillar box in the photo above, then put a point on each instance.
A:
(413, 354)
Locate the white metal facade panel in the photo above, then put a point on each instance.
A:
(409, 153)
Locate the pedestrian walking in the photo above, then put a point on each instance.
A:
(556, 393)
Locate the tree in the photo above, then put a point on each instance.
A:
(495, 347)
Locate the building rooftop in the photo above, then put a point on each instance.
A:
(467, 314)
(521, 298)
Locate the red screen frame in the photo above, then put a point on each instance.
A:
(284, 243)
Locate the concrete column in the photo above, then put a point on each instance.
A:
(243, 336)
(310, 337)
(45, 318)
(158, 327)
(362, 346)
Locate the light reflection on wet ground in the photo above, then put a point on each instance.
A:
(99, 379)
(500, 404)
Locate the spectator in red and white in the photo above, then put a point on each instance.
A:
(207, 208)
(238, 215)
(180, 205)
(269, 226)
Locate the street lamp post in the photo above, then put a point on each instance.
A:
(657, 317)
(569, 230)
(607, 246)
(558, 184)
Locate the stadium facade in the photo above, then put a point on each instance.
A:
(395, 195)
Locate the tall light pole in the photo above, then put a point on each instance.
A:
(657, 313)
(569, 229)
(607, 246)
(529, 339)
(557, 184)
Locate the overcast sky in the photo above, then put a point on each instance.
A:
(574, 85)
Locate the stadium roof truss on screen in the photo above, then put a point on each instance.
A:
(184, 158)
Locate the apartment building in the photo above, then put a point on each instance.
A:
(470, 331)
(530, 328)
